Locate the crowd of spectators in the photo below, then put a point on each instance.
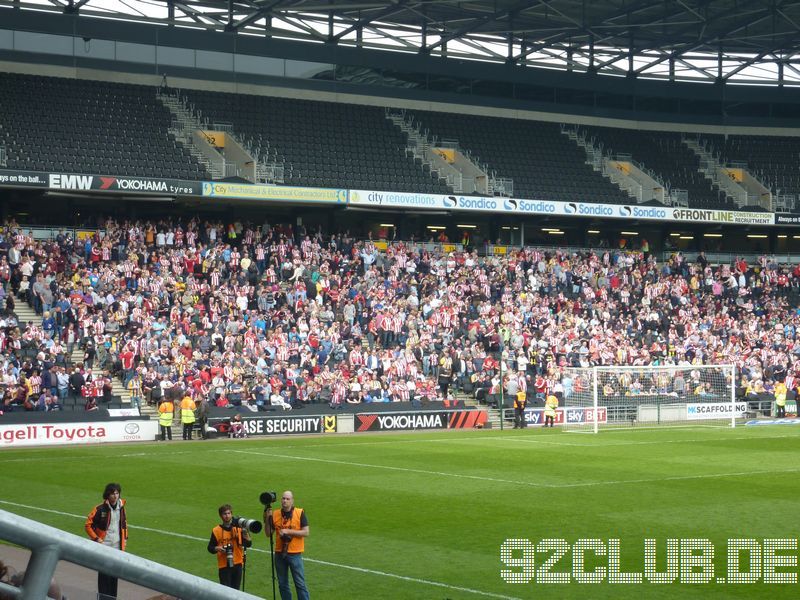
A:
(278, 316)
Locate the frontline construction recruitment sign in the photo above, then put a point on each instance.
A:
(736, 217)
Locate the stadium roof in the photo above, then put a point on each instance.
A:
(738, 41)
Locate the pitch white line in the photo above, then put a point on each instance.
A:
(676, 478)
(515, 482)
(174, 534)
(390, 468)
(413, 579)
(84, 456)
(646, 443)
(485, 439)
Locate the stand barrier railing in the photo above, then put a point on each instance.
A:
(48, 545)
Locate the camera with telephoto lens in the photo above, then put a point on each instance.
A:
(229, 554)
(267, 498)
(250, 525)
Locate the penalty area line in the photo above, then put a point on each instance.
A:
(326, 563)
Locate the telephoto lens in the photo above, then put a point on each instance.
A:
(267, 498)
(229, 554)
(251, 525)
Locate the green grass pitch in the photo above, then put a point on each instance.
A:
(423, 515)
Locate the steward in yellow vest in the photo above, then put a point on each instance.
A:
(166, 412)
(187, 416)
(550, 406)
(520, 402)
(780, 399)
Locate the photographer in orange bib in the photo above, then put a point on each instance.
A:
(228, 542)
(291, 527)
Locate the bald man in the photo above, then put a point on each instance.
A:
(291, 525)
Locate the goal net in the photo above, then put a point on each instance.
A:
(691, 395)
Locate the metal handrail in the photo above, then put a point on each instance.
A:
(223, 126)
(48, 545)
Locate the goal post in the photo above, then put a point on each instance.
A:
(650, 396)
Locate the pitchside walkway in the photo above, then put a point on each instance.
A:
(77, 583)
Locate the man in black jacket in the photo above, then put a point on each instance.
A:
(76, 382)
(202, 417)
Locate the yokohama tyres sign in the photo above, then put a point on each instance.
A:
(459, 419)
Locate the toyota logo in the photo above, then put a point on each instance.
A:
(131, 428)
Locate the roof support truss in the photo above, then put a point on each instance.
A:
(720, 40)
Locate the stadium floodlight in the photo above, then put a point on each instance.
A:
(650, 396)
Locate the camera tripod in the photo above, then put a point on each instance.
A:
(244, 566)
(271, 531)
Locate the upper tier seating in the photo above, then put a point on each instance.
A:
(323, 144)
(772, 160)
(79, 126)
(543, 163)
(664, 154)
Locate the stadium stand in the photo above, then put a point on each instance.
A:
(323, 144)
(664, 154)
(771, 159)
(81, 126)
(121, 129)
(281, 317)
(542, 162)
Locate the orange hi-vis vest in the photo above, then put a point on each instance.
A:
(225, 537)
(297, 544)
